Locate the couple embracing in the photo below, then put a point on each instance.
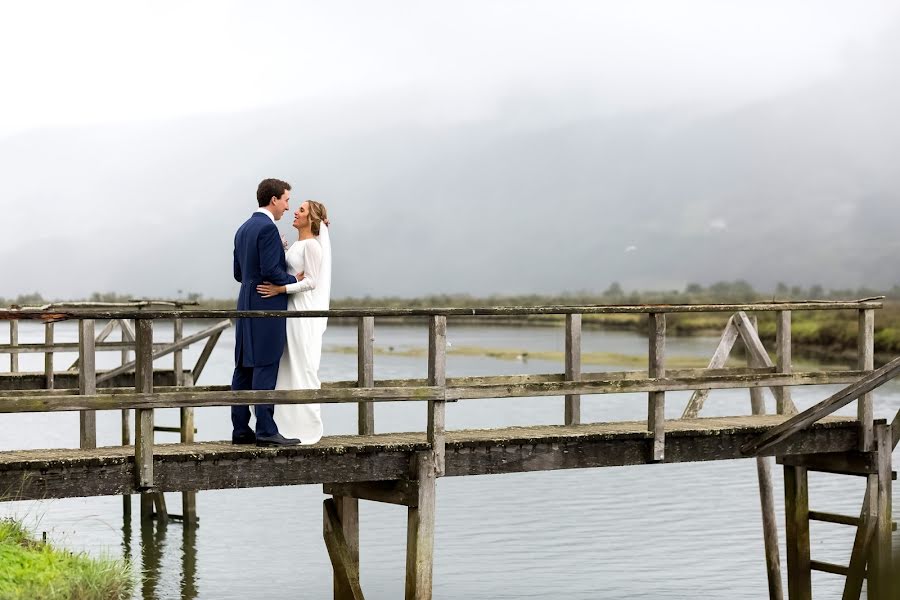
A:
(273, 353)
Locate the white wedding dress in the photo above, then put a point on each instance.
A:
(299, 366)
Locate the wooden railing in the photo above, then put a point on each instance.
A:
(437, 389)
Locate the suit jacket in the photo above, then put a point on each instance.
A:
(259, 257)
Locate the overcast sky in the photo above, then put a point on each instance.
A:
(94, 90)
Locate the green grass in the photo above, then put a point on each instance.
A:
(31, 569)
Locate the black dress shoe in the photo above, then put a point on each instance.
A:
(244, 438)
(276, 440)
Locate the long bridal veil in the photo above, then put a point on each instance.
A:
(321, 295)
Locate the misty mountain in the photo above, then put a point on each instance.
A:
(801, 188)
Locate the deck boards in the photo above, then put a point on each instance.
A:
(29, 474)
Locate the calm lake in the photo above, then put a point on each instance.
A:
(661, 531)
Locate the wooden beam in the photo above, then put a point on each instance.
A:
(365, 370)
(87, 383)
(402, 492)
(718, 361)
(572, 414)
(143, 439)
(766, 495)
(204, 355)
(796, 499)
(865, 532)
(783, 361)
(48, 357)
(881, 560)
(184, 343)
(827, 567)
(656, 401)
(437, 377)
(420, 531)
(834, 402)
(346, 570)
(58, 314)
(101, 337)
(13, 342)
(840, 463)
(866, 362)
(756, 349)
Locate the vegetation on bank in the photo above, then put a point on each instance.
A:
(34, 569)
(815, 333)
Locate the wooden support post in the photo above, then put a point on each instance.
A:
(881, 557)
(143, 440)
(783, 360)
(48, 357)
(87, 382)
(573, 367)
(865, 531)
(13, 341)
(365, 368)
(204, 356)
(656, 405)
(756, 349)
(796, 502)
(186, 422)
(340, 550)
(420, 532)
(437, 376)
(766, 497)
(101, 337)
(866, 362)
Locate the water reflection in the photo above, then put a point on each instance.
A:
(157, 555)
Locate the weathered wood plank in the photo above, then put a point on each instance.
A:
(572, 412)
(101, 338)
(365, 369)
(13, 343)
(841, 463)
(827, 567)
(881, 561)
(346, 570)
(420, 530)
(221, 396)
(348, 514)
(36, 474)
(718, 360)
(204, 355)
(865, 532)
(866, 362)
(175, 346)
(87, 383)
(756, 349)
(48, 357)
(796, 499)
(783, 360)
(402, 492)
(656, 401)
(826, 407)
(766, 494)
(143, 418)
(895, 430)
(437, 377)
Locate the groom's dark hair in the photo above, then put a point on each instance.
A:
(268, 188)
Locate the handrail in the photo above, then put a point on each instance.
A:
(65, 314)
(834, 402)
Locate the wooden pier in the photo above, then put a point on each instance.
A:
(401, 468)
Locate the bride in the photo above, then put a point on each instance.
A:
(310, 256)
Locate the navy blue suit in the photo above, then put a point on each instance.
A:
(258, 257)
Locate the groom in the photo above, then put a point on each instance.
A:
(259, 257)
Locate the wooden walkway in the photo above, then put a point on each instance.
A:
(36, 474)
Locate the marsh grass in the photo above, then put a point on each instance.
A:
(34, 569)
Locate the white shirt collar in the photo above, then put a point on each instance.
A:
(267, 213)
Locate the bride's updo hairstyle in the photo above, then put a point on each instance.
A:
(317, 214)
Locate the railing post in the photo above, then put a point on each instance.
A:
(87, 382)
(656, 410)
(437, 376)
(13, 341)
(143, 419)
(188, 498)
(48, 357)
(366, 372)
(866, 362)
(573, 368)
(783, 357)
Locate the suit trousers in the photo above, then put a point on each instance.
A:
(254, 378)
